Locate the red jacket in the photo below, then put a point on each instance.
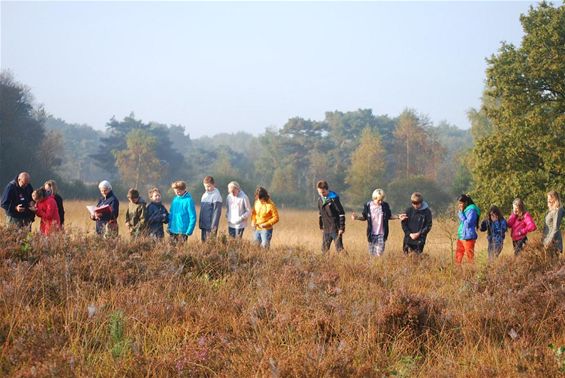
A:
(48, 211)
(521, 227)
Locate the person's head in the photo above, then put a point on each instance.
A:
(378, 196)
(261, 194)
(39, 195)
(179, 187)
(133, 195)
(23, 179)
(155, 195)
(323, 188)
(553, 200)
(50, 186)
(464, 200)
(495, 214)
(234, 188)
(518, 207)
(105, 187)
(209, 183)
(416, 198)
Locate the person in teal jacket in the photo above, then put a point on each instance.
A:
(469, 215)
(182, 214)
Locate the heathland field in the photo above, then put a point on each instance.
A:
(75, 305)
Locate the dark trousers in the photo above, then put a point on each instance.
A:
(327, 239)
(19, 222)
(206, 234)
(236, 232)
(519, 245)
(178, 238)
(416, 246)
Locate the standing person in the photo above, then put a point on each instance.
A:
(16, 200)
(157, 215)
(182, 215)
(107, 220)
(469, 215)
(552, 238)
(238, 209)
(377, 214)
(496, 227)
(46, 209)
(416, 224)
(210, 209)
(331, 217)
(263, 216)
(135, 214)
(521, 223)
(51, 187)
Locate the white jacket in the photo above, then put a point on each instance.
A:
(238, 210)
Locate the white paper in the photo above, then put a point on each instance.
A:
(91, 209)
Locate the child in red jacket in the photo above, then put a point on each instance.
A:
(521, 223)
(46, 208)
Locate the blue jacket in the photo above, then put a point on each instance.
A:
(496, 230)
(15, 195)
(113, 202)
(468, 222)
(156, 214)
(182, 215)
(210, 210)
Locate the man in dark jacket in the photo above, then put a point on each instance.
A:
(332, 217)
(416, 223)
(16, 199)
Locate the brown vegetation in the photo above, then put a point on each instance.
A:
(77, 305)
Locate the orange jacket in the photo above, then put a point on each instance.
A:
(264, 215)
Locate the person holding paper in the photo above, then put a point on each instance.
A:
(106, 211)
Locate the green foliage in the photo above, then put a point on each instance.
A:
(367, 167)
(559, 353)
(399, 191)
(120, 345)
(524, 154)
(138, 163)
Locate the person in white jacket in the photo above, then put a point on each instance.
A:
(238, 210)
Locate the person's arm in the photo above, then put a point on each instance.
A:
(115, 206)
(552, 231)
(469, 220)
(427, 224)
(6, 200)
(128, 217)
(142, 217)
(253, 216)
(320, 221)
(511, 220)
(530, 224)
(484, 225)
(274, 216)
(341, 213)
(247, 206)
(216, 214)
(191, 216)
(364, 214)
(164, 214)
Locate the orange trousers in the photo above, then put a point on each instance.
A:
(465, 247)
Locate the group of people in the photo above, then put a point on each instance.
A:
(22, 204)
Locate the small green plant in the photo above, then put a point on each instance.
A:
(120, 346)
(405, 366)
(559, 354)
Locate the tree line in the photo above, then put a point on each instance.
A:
(515, 147)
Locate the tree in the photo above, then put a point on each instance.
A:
(367, 167)
(524, 154)
(138, 163)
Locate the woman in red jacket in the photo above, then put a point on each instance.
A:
(46, 208)
(521, 223)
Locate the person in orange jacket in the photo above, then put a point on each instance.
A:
(46, 208)
(263, 216)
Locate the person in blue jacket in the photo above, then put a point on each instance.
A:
(182, 214)
(16, 200)
(469, 215)
(157, 215)
(107, 221)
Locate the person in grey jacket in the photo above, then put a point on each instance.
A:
(238, 210)
(210, 209)
(552, 238)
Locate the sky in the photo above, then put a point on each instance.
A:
(217, 67)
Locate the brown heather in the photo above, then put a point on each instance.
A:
(75, 305)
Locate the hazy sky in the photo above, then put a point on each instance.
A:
(215, 67)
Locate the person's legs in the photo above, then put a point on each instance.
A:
(265, 236)
(204, 234)
(469, 249)
(380, 245)
(373, 245)
(239, 233)
(326, 241)
(459, 251)
(257, 237)
(519, 245)
(338, 242)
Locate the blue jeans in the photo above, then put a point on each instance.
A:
(263, 237)
(236, 232)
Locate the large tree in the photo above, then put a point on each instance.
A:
(524, 153)
(138, 163)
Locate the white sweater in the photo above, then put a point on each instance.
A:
(238, 210)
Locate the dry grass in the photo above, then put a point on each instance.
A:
(75, 305)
